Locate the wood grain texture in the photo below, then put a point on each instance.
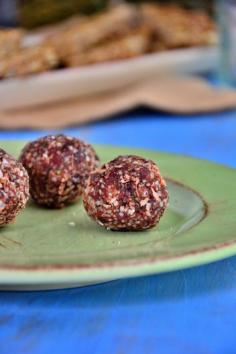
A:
(189, 311)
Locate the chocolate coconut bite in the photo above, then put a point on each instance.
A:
(127, 193)
(58, 168)
(14, 188)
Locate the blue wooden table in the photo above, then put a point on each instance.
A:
(190, 311)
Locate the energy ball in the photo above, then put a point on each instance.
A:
(14, 188)
(58, 168)
(127, 193)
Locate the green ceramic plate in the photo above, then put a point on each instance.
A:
(63, 248)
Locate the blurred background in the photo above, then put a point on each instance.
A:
(33, 13)
(140, 38)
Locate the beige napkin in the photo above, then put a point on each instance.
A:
(171, 94)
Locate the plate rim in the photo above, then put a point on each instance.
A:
(109, 271)
(71, 83)
(111, 65)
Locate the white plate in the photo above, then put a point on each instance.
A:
(70, 83)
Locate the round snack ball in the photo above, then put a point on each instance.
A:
(14, 188)
(58, 168)
(127, 193)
